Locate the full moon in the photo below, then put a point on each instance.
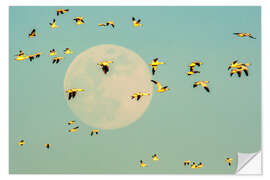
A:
(106, 100)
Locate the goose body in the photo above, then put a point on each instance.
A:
(105, 66)
(244, 35)
(192, 71)
(238, 68)
(203, 84)
(193, 165)
(71, 122)
(52, 52)
(143, 164)
(238, 71)
(72, 92)
(32, 34)
(61, 11)
(21, 58)
(67, 51)
(94, 131)
(138, 95)
(243, 68)
(37, 55)
(21, 53)
(136, 23)
(155, 157)
(229, 161)
(235, 64)
(21, 143)
(57, 59)
(53, 24)
(107, 24)
(187, 162)
(74, 129)
(200, 165)
(79, 20)
(155, 64)
(195, 63)
(32, 56)
(47, 146)
(160, 87)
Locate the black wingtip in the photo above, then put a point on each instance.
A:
(153, 71)
(239, 74)
(207, 89)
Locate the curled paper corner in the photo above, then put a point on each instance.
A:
(249, 163)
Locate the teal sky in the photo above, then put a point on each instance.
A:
(181, 124)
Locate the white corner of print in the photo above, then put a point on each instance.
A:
(249, 163)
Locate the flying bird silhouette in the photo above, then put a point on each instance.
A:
(160, 87)
(57, 59)
(107, 24)
(136, 23)
(79, 20)
(235, 64)
(21, 143)
(72, 92)
(74, 129)
(187, 162)
(143, 164)
(192, 71)
(138, 95)
(105, 66)
(67, 51)
(229, 161)
(61, 11)
(244, 35)
(195, 63)
(155, 64)
(71, 122)
(155, 157)
(52, 52)
(32, 34)
(203, 84)
(53, 24)
(94, 131)
(47, 146)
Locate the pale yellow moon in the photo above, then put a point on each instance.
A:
(106, 102)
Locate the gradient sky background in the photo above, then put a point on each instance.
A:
(181, 124)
